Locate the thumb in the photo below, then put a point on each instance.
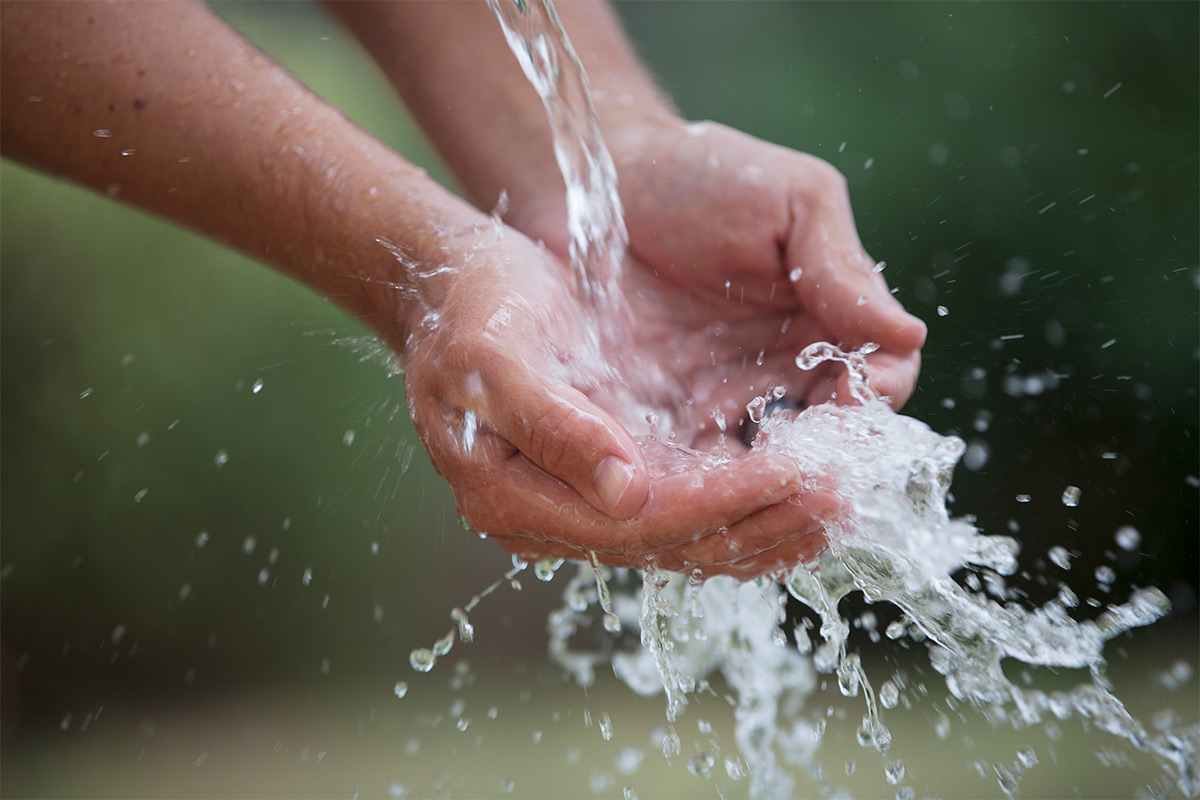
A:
(558, 428)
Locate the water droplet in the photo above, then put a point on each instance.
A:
(701, 764)
(102, 133)
(248, 545)
(201, 539)
(1070, 496)
(442, 646)
(306, 577)
(629, 794)
(256, 387)
(861, 301)
(755, 409)
(1128, 538)
(942, 311)
(612, 623)
(86, 392)
(422, 659)
(796, 274)
(546, 568)
(263, 576)
(348, 437)
(141, 495)
(670, 743)
(129, 152)
(1060, 557)
(466, 631)
(889, 695)
(400, 689)
(880, 266)
(507, 785)
(1105, 575)
(220, 459)
(1024, 498)
(606, 729)
(894, 772)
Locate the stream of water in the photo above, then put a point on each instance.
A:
(895, 542)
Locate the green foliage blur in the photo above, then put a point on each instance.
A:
(186, 434)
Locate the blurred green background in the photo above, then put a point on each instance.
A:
(185, 434)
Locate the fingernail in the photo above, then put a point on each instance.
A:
(612, 480)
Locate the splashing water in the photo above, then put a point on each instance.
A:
(894, 541)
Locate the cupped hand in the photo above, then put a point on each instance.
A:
(741, 254)
(512, 402)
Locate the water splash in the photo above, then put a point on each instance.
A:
(894, 542)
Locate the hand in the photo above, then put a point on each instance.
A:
(742, 254)
(500, 393)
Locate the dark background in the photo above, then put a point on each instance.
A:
(1031, 167)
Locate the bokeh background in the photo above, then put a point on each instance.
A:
(220, 538)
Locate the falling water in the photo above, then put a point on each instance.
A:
(894, 542)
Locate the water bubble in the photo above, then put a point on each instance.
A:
(400, 689)
(942, 311)
(422, 659)
(1071, 495)
(1128, 538)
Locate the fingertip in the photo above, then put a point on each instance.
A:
(621, 488)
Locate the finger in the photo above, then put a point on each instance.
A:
(520, 499)
(890, 375)
(561, 431)
(798, 518)
(836, 279)
(776, 563)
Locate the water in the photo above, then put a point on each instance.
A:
(893, 542)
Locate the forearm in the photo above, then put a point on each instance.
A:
(163, 106)
(486, 119)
